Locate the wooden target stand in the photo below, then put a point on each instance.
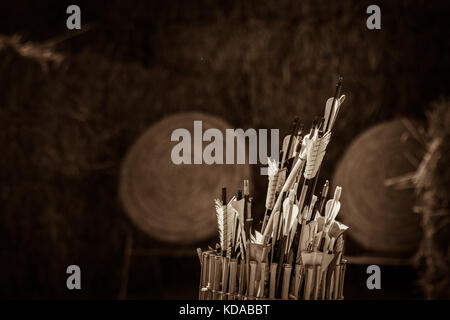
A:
(154, 253)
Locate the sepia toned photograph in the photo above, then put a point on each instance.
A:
(225, 150)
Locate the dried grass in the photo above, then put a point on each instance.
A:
(432, 181)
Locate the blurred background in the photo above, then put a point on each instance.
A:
(73, 103)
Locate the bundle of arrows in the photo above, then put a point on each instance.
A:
(298, 252)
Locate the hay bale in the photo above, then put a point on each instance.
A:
(431, 181)
(380, 216)
(174, 203)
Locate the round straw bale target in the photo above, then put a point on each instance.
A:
(380, 214)
(175, 203)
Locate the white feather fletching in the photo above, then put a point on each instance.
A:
(273, 167)
(280, 180)
(316, 152)
(257, 238)
(337, 106)
(273, 180)
(225, 220)
(331, 211)
(311, 155)
(293, 218)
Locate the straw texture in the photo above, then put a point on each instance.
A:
(381, 217)
(169, 202)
